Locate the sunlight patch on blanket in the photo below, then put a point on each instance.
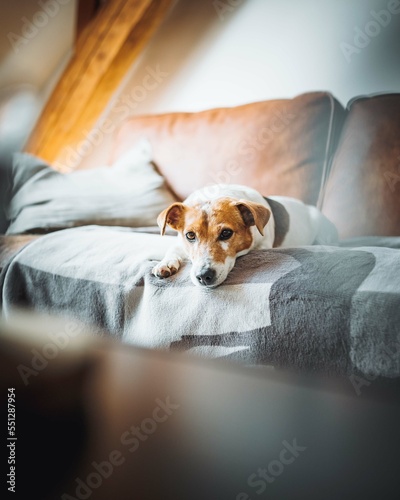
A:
(229, 308)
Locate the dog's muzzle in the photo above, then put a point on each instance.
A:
(206, 277)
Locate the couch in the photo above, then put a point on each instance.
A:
(331, 310)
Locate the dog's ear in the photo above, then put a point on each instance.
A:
(254, 214)
(173, 216)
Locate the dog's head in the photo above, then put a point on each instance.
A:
(215, 233)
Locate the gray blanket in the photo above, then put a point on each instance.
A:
(329, 309)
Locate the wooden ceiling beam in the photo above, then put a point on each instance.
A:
(105, 51)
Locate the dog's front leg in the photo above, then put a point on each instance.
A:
(171, 262)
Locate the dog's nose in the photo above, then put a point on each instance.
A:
(206, 277)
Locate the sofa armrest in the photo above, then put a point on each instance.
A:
(11, 245)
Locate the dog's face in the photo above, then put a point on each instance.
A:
(214, 234)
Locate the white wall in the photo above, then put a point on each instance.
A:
(254, 50)
(35, 44)
(263, 49)
(35, 37)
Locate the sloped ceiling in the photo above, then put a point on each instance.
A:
(35, 38)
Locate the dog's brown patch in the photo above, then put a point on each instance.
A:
(173, 216)
(208, 221)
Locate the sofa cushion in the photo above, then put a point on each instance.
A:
(362, 195)
(280, 147)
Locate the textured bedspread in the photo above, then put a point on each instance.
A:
(312, 308)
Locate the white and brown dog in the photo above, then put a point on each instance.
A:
(214, 230)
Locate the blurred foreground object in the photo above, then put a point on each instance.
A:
(98, 420)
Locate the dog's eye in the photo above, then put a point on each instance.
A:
(225, 234)
(190, 236)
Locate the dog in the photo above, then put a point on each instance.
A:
(220, 223)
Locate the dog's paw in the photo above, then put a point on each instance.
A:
(165, 270)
